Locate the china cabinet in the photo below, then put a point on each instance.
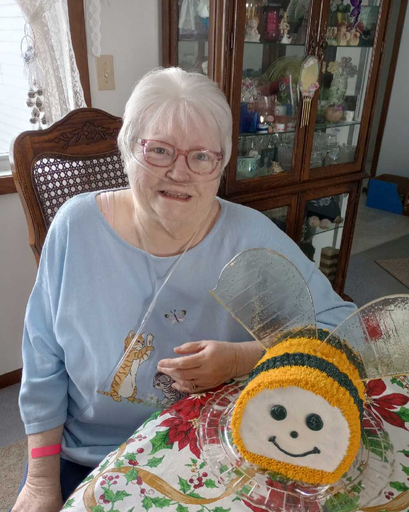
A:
(297, 156)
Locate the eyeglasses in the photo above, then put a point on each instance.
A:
(162, 154)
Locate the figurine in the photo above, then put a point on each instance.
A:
(343, 36)
(276, 168)
(355, 37)
(252, 34)
(284, 29)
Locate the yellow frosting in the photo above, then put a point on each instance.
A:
(313, 380)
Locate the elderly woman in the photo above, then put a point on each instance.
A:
(120, 322)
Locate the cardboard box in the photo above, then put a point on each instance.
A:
(389, 193)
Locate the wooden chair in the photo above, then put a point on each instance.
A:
(77, 154)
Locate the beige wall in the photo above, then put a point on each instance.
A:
(394, 155)
(17, 275)
(130, 32)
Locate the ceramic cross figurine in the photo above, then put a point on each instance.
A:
(284, 29)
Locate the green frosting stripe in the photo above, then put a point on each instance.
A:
(333, 341)
(301, 359)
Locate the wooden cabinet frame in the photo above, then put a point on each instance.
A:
(352, 189)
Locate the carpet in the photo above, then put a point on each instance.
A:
(13, 459)
(368, 281)
(398, 268)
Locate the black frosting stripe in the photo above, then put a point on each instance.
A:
(333, 341)
(302, 359)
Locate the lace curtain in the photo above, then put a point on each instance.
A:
(54, 54)
(93, 22)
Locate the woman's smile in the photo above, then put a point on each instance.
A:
(175, 196)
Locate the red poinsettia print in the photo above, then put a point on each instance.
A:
(184, 420)
(385, 406)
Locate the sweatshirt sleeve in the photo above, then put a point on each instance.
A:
(43, 396)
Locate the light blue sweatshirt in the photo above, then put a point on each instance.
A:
(92, 291)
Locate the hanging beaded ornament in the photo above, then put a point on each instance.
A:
(35, 99)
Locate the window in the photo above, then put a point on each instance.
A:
(14, 113)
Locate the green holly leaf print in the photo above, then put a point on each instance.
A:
(98, 508)
(397, 382)
(184, 485)
(237, 499)
(147, 503)
(194, 495)
(202, 465)
(399, 486)
(221, 509)
(151, 418)
(245, 490)
(210, 484)
(130, 456)
(161, 502)
(160, 442)
(104, 466)
(405, 452)
(405, 469)
(154, 461)
(181, 508)
(403, 413)
(193, 461)
(131, 475)
(341, 502)
(113, 497)
(131, 509)
(69, 503)
(224, 468)
(119, 463)
(89, 477)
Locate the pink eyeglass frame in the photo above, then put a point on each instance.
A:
(184, 152)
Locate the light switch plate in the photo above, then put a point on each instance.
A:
(105, 72)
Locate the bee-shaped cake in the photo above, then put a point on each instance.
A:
(300, 413)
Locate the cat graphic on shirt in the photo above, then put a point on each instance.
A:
(124, 382)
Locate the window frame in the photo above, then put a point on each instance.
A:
(79, 43)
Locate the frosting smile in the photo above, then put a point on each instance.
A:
(272, 439)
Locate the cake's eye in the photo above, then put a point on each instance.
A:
(314, 422)
(278, 412)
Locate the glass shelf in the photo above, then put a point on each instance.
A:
(321, 126)
(319, 231)
(269, 43)
(325, 126)
(194, 38)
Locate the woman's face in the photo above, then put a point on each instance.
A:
(175, 195)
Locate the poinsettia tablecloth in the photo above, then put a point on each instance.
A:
(160, 466)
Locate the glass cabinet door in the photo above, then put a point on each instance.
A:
(273, 49)
(278, 216)
(193, 35)
(342, 113)
(280, 210)
(326, 228)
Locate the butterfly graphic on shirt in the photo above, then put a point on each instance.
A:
(174, 317)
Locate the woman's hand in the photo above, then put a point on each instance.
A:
(209, 364)
(34, 497)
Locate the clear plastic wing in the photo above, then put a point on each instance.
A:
(267, 294)
(379, 332)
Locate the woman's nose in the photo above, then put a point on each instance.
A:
(179, 170)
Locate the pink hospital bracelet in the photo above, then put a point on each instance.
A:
(45, 451)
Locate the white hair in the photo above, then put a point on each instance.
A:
(168, 95)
